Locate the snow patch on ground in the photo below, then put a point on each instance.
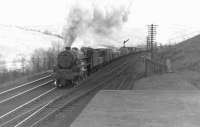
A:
(15, 42)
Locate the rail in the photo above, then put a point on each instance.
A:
(71, 96)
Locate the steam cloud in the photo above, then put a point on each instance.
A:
(95, 21)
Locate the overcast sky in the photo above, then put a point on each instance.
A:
(173, 17)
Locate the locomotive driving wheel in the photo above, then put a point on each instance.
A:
(77, 80)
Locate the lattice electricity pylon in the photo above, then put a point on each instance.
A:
(151, 44)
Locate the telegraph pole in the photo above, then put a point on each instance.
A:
(148, 43)
(151, 44)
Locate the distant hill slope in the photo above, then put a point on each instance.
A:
(185, 55)
(41, 30)
(15, 41)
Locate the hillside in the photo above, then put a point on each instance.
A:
(15, 41)
(185, 55)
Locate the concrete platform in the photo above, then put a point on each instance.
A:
(141, 109)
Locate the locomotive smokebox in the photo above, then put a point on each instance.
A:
(67, 48)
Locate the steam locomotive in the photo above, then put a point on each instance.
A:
(92, 59)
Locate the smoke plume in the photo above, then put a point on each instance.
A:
(96, 21)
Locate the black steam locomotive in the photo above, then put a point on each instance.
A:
(71, 73)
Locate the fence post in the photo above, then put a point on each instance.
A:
(156, 67)
(168, 65)
(146, 67)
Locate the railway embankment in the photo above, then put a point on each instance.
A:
(185, 63)
(168, 81)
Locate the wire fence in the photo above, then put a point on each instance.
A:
(153, 67)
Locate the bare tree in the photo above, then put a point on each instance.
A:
(36, 60)
(22, 60)
(2, 64)
(45, 59)
(3, 69)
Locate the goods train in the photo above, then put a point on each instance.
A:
(81, 67)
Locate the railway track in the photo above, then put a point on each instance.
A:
(19, 111)
(32, 103)
(21, 98)
(24, 81)
(72, 101)
(126, 80)
(129, 75)
(75, 107)
(13, 92)
(72, 95)
(11, 99)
